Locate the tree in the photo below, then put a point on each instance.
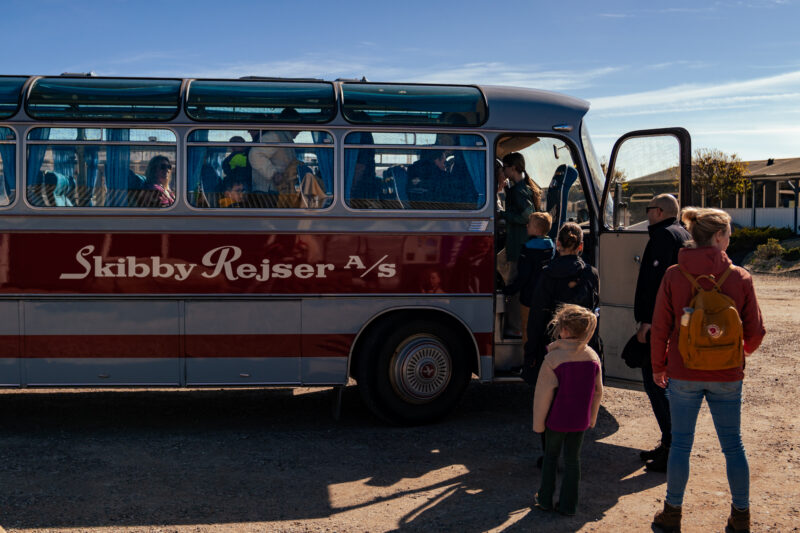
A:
(717, 175)
(619, 175)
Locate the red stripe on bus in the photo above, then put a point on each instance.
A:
(485, 342)
(9, 346)
(165, 346)
(40, 346)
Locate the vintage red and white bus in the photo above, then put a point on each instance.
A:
(255, 232)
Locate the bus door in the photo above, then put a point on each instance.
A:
(643, 164)
(551, 162)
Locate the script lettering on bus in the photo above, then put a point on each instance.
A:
(220, 261)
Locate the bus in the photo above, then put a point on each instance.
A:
(161, 232)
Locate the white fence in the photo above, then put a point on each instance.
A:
(779, 217)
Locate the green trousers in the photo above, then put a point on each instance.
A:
(571, 442)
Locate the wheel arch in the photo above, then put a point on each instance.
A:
(436, 314)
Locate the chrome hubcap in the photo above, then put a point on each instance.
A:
(421, 369)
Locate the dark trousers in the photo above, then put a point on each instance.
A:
(659, 402)
(571, 442)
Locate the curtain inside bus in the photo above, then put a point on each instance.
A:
(35, 158)
(118, 164)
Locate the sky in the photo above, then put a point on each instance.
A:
(728, 71)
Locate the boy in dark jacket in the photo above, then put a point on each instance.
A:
(534, 255)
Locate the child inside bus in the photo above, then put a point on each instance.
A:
(566, 403)
(535, 255)
(233, 193)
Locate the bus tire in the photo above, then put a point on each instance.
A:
(413, 372)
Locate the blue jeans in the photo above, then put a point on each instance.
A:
(725, 403)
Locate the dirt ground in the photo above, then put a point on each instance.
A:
(276, 460)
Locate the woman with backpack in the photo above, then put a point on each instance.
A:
(706, 320)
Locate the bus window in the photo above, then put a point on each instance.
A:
(100, 167)
(255, 168)
(67, 98)
(434, 171)
(413, 105)
(10, 88)
(260, 101)
(644, 168)
(7, 166)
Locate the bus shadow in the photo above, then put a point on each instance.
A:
(138, 458)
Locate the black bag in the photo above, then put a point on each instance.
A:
(635, 352)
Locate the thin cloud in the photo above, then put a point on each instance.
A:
(679, 98)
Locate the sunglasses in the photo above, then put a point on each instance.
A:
(651, 207)
(165, 166)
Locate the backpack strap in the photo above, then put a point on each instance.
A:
(722, 278)
(717, 283)
(691, 278)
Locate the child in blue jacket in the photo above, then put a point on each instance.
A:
(536, 253)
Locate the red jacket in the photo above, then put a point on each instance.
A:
(676, 292)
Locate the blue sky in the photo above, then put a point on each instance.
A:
(729, 71)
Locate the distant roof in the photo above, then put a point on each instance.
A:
(779, 168)
(761, 170)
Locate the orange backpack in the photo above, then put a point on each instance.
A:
(711, 334)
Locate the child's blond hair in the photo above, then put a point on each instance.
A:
(578, 321)
(542, 220)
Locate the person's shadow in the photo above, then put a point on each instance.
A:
(138, 458)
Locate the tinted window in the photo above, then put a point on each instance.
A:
(102, 99)
(444, 175)
(272, 169)
(110, 167)
(9, 95)
(413, 104)
(8, 177)
(261, 101)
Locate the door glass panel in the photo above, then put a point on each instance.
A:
(644, 168)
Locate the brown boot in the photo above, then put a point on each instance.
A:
(668, 520)
(738, 521)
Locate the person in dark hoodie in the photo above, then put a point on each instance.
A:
(534, 256)
(523, 197)
(667, 237)
(566, 280)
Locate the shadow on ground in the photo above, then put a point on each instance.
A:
(115, 459)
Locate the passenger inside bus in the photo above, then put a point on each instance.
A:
(236, 165)
(234, 192)
(269, 163)
(157, 191)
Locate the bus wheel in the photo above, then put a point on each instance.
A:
(413, 373)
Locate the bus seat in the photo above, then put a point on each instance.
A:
(59, 189)
(558, 195)
(136, 184)
(396, 180)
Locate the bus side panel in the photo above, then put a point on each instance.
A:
(101, 342)
(240, 342)
(331, 325)
(9, 344)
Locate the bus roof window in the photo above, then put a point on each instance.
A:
(10, 88)
(261, 101)
(417, 139)
(413, 105)
(104, 99)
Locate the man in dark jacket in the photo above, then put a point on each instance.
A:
(667, 236)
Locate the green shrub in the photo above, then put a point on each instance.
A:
(744, 240)
(792, 254)
(769, 250)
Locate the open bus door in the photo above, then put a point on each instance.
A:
(643, 164)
